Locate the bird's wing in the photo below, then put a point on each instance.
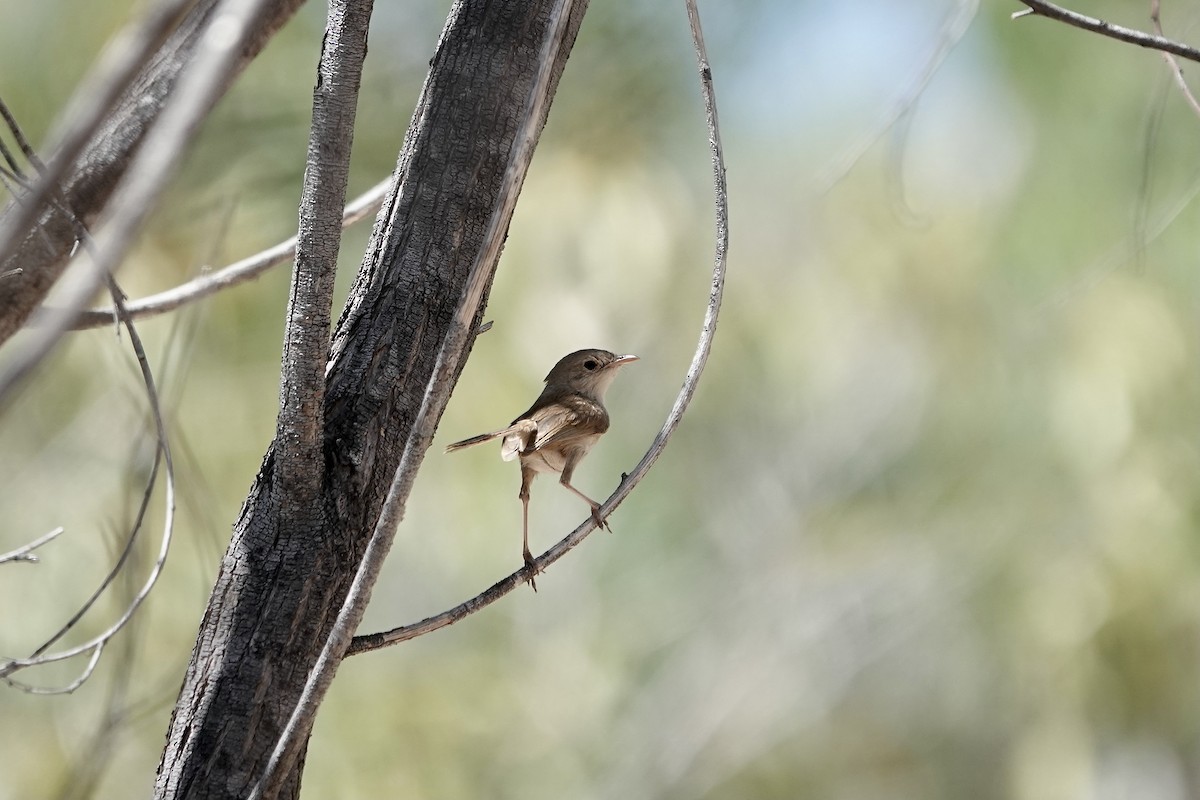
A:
(561, 423)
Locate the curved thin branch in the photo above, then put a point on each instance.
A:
(93, 660)
(25, 552)
(139, 518)
(1051, 11)
(375, 641)
(95, 645)
(1173, 63)
(238, 272)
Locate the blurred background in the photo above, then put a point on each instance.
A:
(928, 531)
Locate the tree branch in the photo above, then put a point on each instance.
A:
(1173, 63)
(953, 28)
(25, 552)
(300, 431)
(362, 644)
(162, 455)
(236, 273)
(1051, 11)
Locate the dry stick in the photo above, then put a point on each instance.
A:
(118, 65)
(139, 518)
(22, 143)
(157, 160)
(239, 272)
(96, 644)
(19, 137)
(437, 392)
(1173, 63)
(161, 450)
(1051, 11)
(374, 641)
(25, 552)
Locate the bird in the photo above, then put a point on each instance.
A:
(557, 431)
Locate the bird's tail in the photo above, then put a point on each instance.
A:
(474, 440)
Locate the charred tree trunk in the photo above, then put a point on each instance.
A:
(291, 561)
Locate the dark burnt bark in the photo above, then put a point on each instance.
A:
(288, 569)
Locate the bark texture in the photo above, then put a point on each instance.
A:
(281, 584)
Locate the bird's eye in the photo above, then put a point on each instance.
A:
(590, 365)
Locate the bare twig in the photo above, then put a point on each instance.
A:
(374, 641)
(216, 58)
(139, 518)
(19, 137)
(96, 645)
(1173, 63)
(241, 271)
(1051, 11)
(25, 552)
(95, 648)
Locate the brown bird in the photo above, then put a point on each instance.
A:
(559, 429)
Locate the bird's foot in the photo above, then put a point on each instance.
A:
(600, 521)
(532, 567)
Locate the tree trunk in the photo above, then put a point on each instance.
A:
(281, 585)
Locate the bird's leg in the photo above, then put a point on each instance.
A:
(527, 476)
(565, 480)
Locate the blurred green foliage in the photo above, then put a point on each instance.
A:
(929, 530)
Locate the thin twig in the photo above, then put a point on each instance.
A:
(362, 644)
(1051, 11)
(25, 552)
(19, 137)
(96, 644)
(96, 649)
(1173, 63)
(238, 272)
(134, 529)
(1118, 255)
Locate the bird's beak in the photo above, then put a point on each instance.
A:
(623, 360)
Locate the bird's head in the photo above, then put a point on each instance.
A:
(588, 372)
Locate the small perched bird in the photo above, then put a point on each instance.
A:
(559, 429)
